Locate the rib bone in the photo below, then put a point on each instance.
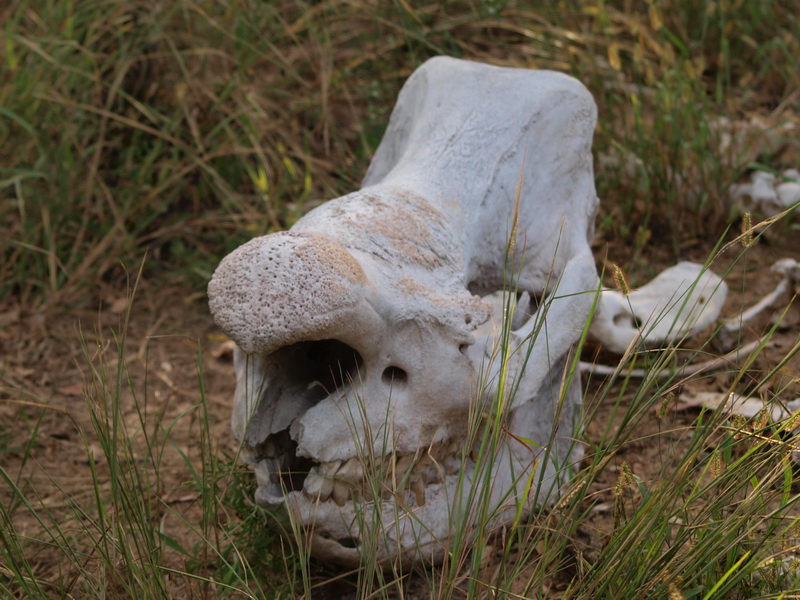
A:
(731, 328)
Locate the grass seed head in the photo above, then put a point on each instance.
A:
(738, 423)
(625, 478)
(717, 464)
(666, 402)
(675, 592)
(793, 422)
(747, 230)
(619, 280)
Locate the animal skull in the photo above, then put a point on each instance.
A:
(357, 360)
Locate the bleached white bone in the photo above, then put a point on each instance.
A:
(680, 302)
(731, 360)
(731, 328)
(358, 323)
(728, 334)
(554, 326)
(767, 194)
(737, 404)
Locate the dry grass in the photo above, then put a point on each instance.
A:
(176, 131)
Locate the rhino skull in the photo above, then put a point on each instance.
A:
(358, 367)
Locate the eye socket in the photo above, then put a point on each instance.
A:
(394, 376)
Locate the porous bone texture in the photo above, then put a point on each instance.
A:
(249, 292)
(360, 379)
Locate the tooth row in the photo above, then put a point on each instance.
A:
(333, 479)
(340, 480)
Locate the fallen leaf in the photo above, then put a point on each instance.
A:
(72, 390)
(119, 305)
(613, 57)
(8, 317)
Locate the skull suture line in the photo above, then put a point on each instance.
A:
(355, 329)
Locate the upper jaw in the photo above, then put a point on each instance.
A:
(282, 474)
(409, 501)
(405, 508)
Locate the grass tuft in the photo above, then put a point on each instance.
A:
(179, 130)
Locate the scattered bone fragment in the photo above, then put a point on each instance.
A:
(617, 331)
(729, 361)
(731, 329)
(356, 331)
(734, 143)
(744, 141)
(767, 193)
(736, 404)
(680, 302)
(790, 269)
(776, 413)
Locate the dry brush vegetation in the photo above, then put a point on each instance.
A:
(142, 141)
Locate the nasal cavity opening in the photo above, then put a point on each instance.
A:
(331, 364)
(394, 376)
(318, 368)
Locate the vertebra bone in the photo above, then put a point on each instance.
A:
(680, 302)
(731, 328)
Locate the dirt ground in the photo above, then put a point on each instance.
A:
(46, 369)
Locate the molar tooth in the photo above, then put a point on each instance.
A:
(351, 471)
(269, 495)
(267, 471)
(340, 492)
(418, 488)
(329, 469)
(317, 486)
(403, 463)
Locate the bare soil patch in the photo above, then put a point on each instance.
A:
(46, 362)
